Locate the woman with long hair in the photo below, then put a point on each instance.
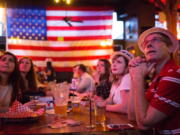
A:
(9, 80)
(102, 79)
(29, 79)
(27, 72)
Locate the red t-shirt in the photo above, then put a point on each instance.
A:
(164, 95)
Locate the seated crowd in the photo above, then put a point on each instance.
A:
(145, 88)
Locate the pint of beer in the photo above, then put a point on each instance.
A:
(76, 104)
(61, 110)
(100, 113)
(61, 97)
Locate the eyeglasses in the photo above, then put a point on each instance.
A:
(152, 41)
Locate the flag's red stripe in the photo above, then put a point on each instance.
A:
(84, 8)
(39, 58)
(104, 27)
(80, 38)
(54, 48)
(79, 18)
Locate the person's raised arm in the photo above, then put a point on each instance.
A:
(131, 107)
(146, 115)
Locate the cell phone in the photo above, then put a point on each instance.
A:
(120, 126)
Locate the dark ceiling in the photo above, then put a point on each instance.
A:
(74, 2)
(117, 4)
(120, 6)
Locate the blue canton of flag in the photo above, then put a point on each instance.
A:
(26, 23)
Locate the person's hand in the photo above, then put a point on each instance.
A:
(139, 68)
(97, 97)
(136, 61)
(100, 103)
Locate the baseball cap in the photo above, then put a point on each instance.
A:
(124, 53)
(159, 30)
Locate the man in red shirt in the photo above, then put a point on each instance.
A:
(159, 106)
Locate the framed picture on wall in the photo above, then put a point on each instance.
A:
(131, 29)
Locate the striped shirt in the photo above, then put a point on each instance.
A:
(164, 95)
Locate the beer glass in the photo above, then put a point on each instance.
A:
(100, 112)
(76, 104)
(61, 97)
(90, 125)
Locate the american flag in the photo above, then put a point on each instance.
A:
(67, 36)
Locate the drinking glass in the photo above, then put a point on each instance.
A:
(90, 125)
(75, 104)
(61, 97)
(100, 112)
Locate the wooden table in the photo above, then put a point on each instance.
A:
(40, 127)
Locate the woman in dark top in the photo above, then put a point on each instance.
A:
(102, 79)
(50, 72)
(29, 79)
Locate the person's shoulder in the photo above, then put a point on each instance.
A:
(171, 78)
(126, 76)
(170, 69)
(95, 73)
(174, 66)
(87, 75)
(178, 70)
(174, 71)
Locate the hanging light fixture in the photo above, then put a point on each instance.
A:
(56, 1)
(68, 2)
